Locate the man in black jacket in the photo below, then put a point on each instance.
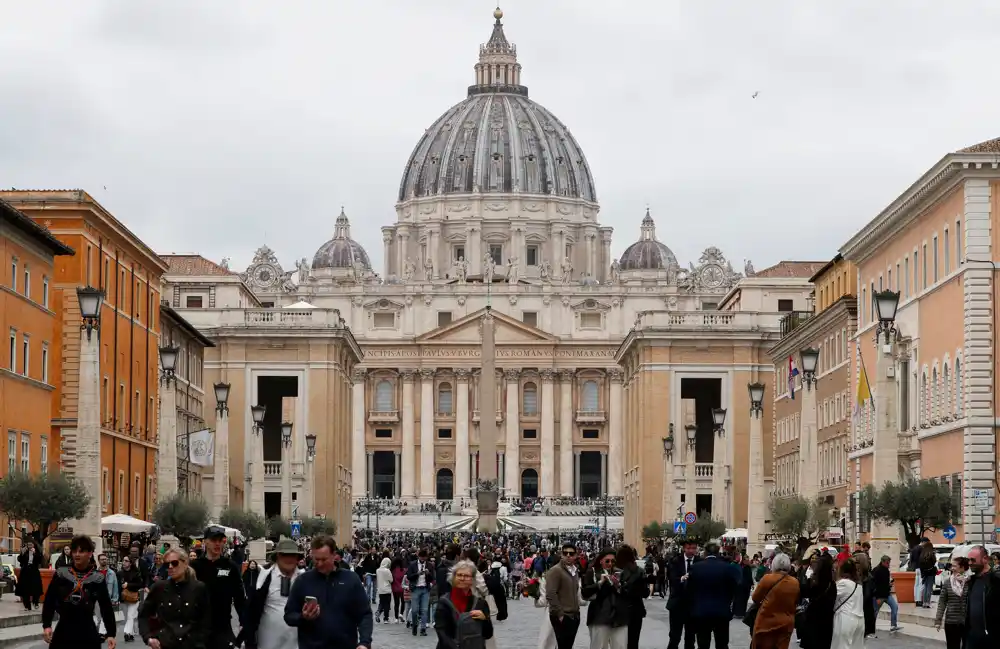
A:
(882, 592)
(225, 588)
(680, 616)
(420, 576)
(450, 556)
(982, 617)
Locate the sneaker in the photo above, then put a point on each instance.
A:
(894, 629)
(423, 632)
(414, 630)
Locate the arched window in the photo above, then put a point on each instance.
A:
(444, 399)
(529, 400)
(384, 396)
(946, 392)
(959, 389)
(590, 400)
(935, 394)
(529, 483)
(924, 400)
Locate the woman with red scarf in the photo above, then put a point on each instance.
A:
(462, 618)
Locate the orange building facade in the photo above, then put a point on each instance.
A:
(936, 244)
(27, 386)
(114, 259)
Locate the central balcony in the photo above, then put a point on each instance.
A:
(383, 416)
(590, 417)
(475, 416)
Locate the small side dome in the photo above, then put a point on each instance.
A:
(341, 251)
(647, 253)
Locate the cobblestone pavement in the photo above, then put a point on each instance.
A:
(521, 631)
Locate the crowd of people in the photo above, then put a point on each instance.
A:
(546, 506)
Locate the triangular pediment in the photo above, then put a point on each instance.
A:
(466, 330)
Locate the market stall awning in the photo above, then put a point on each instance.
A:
(125, 523)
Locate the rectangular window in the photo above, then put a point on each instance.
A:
(531, 255)
(880, 287)
(444, 433)
(785, 305)
(90, 251)
(45, 292)
(923, 270)
(496, 251)
(121, 492)
(13, 274)
(709, 306)
(458, 252)
(529, 433)
(122, 301)
(149, 493)
(25, 452)
(107, 401)
(935, 265)
(947, 253)
(383, 433)
(192, 301)
(106, 280)
(889, 278)
(906, 282)
(12, 348)
(43, 454)
(898, 279)
(591, 433)
(958, 243)
(27, 282)
(135, 299)
(135, 494)
(530, 318)
(267, 305)
(25, 355)
(121, 407)
(916, 272)
(11, 451)
(106, 488)
(864, 308)
(45, 363)
(384, 320)
(590, 320)
(444, 318)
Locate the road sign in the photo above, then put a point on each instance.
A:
(296, 529)
(981, 498)
(948, 532)
(690, 518)
(680, 527)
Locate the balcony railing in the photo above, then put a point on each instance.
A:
(706, 320)
(704, 470)
(791, 321)
(277, 317)
(272, 469)
(383, 416)
(590, 416)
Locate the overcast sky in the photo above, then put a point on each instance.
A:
(217, 126)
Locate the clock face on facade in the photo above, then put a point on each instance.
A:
(712, 276)
(264, 275)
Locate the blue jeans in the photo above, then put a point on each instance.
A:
(893, 609)
(419, 600)
(927, 584)
(370, 587)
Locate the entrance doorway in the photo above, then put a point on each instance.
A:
(445, 484)
(707, 394)
(272, 504)
(385, 474)
(270, 391)
(591, 480)
(529, 483)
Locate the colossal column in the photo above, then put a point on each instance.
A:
(548, 462)
(88, 435)
(461, 435)
(409, 451)
(487, 492)
(513, 439)
(615, 434)
(427, 435)
(566, 433)
(358, 487)
(885, 455)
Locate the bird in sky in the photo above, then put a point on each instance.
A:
(754, 95)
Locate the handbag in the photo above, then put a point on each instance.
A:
(750, 617)
(130, 596)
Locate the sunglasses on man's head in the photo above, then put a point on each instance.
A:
(174, 563)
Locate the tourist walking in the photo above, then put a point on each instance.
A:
(820, 593)
(133, 586)
(225, 587)
(711, 585)
(952, 607)
(462, 619)
(849, 610)
(75, 592)
(176, 613)
(562, 591)
(265, 627)
(634, 591)
(882, 592)
(421, 577)
(383, 584)
(111, 580)
(29, 581)
(776, 596)
(677, 603)
(982, 620)
(607, 612)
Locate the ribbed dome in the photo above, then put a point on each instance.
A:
(647, 253)
(497, 140)
(341, 251)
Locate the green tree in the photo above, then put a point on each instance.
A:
(318, 526)
(704, 529)
(182, 515)
(277, 527)
(652, 532)
(42, 499)
(250, 524)
(920, 506)
(802, 519)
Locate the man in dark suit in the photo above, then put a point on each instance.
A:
(710, 588)
(420, 575)
(677, 603)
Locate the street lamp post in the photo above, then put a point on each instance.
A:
(166, 478)
(885, 455)
(286, 469)
(87, 441)
(257, 414)
(220, 481)
(666, 505)
(690, 482)
(757, 510)
(720, 503)
(310, 487)
(808, 440)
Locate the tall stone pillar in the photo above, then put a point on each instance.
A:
(720, 508)
(513, 438)
(809, 445)
(395, 480)
(166, 473)
(487, 499)
(287, 414)
(370, 474)
(576, 474)
(220, 481)
(548, 463)
(461, 435)
(885, 452)
(358, 407)
(757, 509)
(404, 237)
(566, 433)
(669, 506)
(308, 507)
(257, 473)
(690, 484)
(427, 435)
(615, 474)
(409, 441)
(88, 436)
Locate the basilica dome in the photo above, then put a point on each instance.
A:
(341, 251)
(497, 140)
(647, 253)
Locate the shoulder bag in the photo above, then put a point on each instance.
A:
(750, 617)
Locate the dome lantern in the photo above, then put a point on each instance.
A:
(647, 253)
(498, 69)
(341, 251)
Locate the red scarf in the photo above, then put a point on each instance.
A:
(461, 600)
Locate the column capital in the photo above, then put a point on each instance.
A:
(511, 375)
(566, 374)
(407, 373)
(462, 375)
(428, 373)
(615, 374)
(358, 374)
(370, 453)
(547, 374)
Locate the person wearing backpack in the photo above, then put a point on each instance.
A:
(462, 619)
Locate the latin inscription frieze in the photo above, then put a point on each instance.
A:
(502, 352)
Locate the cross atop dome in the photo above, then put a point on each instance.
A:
(498, 69)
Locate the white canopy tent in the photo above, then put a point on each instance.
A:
(300, 305)
(125, 523)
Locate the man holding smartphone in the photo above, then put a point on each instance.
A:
(328, 605)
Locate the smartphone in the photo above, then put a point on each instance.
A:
(310, 599)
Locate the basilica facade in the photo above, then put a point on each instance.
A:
(497, 208)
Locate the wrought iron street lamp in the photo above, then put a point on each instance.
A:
(886, 304)
(692, 434)
(668, 446)
(168, 361)
(286, 433)
(756, 399)
(90, 300)
(809, 359)
(222, 398)
(311, 446)
(719, 421)
(258, 412)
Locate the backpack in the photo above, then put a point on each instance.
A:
(468, 632)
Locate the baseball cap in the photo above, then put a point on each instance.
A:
(214, 531)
